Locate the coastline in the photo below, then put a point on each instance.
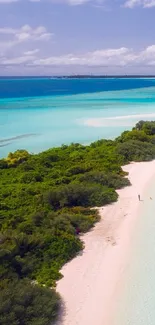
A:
(92, 280)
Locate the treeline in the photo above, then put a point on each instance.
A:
(45, 202)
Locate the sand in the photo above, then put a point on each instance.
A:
(91, 281)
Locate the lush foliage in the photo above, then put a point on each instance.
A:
(45, 201)
(147, 127)
(26, 304)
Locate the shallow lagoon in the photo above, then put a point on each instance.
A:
(76, 111)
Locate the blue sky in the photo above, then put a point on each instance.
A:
(77, 36)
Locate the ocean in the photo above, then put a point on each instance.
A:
(39, 113)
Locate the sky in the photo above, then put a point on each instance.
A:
(57, 37)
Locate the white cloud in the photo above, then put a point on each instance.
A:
(11, 37)
(105, 57)
(108, 57)
(32, 52)
(26, 32)
(143, 3)
(25, 59)
(6, 30)
(25, 46)
(120, 57)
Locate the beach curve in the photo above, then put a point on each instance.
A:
(91, 280)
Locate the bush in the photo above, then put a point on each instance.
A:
(81, 195)
(61, 223)
(148, 127)
(27, 304)
(17, 157)
(111, 180)
(133, 135)
(31, 177)
(82, 222)
(3, 164)
(136, 151)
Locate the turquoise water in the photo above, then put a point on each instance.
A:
(136, 304)
(49, 113)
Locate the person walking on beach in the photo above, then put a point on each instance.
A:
(139, 197)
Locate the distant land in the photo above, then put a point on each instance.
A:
(107, 76)
(79, 76)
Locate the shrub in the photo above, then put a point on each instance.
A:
(28, 304)
(136, 151)
(133, 135)
(111, 180)
(81, 195)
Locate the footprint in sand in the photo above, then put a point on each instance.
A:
(111, 241)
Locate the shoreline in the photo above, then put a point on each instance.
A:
(92, 280)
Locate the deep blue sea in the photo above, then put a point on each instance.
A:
(39, 113)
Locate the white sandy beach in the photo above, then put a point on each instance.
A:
(91, 280)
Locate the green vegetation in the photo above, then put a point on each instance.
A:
(45, 201)
(26, 304)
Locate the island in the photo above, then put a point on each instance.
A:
(47, 201)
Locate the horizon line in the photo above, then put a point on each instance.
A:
(81, 75)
